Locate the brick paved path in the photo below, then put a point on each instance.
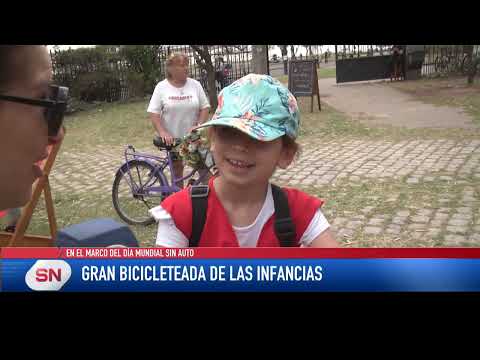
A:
(363, 160)
(352, 163)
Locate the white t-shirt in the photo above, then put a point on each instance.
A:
(168, 235)
(178, 107)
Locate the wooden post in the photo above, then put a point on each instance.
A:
(318, 99)
(52, 221)
(318, 91)
(303, 80)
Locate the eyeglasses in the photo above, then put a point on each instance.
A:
(55, 105)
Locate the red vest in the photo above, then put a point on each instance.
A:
(218, 231)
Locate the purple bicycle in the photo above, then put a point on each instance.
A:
(141, 183)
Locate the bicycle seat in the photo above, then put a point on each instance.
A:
(158, 142)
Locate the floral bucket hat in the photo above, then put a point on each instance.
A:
(258, 105)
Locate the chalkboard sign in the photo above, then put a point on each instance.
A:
(303, 79)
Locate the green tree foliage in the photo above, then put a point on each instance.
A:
(145, 60)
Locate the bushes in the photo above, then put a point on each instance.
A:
(107, 72)
(146, 60)
(97, 86)
(136, 85)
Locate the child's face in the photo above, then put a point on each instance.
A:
(243, 160)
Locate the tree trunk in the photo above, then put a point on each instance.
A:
(284, 50)
(212, 88)
(259, 59)
(204, 60)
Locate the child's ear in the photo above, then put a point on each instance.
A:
(286, 157)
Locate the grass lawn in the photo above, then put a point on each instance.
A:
(109, 125)
(453, 92)
(323, 73)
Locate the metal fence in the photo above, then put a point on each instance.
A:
(233, 61)
(103, 78)
(444, 60)
(296, 52)
(357, 51)
(278, 64)
(439, 60)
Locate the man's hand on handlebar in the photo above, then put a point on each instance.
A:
(167, 138)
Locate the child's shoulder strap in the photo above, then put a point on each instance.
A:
(199, 196)
(284, 225)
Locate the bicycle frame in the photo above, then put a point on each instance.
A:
(159, 164)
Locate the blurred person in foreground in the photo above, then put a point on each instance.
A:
(31, 115)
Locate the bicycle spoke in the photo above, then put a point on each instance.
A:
(131, 195)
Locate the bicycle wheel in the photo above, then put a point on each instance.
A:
(130, 198)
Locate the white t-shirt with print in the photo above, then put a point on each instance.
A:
(178, 107)
(168, 235)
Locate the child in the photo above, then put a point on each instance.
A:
(252, 133)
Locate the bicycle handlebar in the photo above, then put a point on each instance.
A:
(158, 141)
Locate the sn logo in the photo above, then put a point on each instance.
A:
(48, 275)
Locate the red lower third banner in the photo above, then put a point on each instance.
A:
(232, 253)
